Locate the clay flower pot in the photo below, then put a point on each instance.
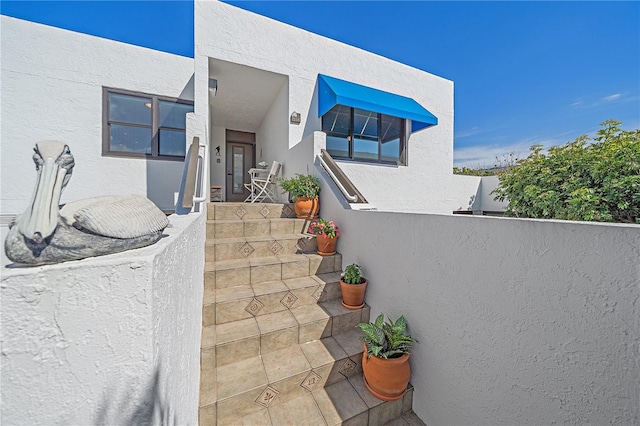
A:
(326, 245)
(353, 294)
(386, 379)
(307, 207)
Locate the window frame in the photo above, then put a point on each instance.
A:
(155, 125)
(404, 133)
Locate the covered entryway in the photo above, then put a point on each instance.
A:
(248, 110)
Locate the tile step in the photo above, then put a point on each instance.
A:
(255, 227)
(344, 402)
(249, 211)
(261, 246)
(239, 272)
(238, 340)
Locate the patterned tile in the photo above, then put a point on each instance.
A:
(311, 382)
(289, 299)
(287, 211)
(265, 212)
(302, 244)
(241, 212)
(318, 293)
(267, 396)
(347, 368)
(275, 247)
(254, 307)
(246, 250)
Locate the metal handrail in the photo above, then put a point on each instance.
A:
(349, 197)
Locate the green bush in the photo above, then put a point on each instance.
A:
(592, 180)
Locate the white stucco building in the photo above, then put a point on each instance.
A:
(121, 109)
(520, 321)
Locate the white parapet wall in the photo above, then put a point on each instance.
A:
(106, 340)
(520, 321)
(51, 89)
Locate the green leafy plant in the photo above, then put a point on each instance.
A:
(352, 274)
(387, 339)
(593, 180)
(324, 228)
(301, 186)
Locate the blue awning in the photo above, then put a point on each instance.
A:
(333, 91)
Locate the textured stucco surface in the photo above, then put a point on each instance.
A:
(51, 88)
(247, 39)
(520, 321)
(107, 340)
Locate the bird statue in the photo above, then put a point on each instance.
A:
(46, 233)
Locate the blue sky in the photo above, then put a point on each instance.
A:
(524, 72)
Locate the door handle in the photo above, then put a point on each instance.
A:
(229, 173)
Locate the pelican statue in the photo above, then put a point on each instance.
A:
(46, 233)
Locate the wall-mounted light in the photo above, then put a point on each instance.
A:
(295, 117)
(213, 86)
(218, 150)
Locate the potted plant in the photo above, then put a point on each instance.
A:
(353, 286)
(304, 189)
(385, 361)
(327, 233)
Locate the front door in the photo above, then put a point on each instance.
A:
(239, 161)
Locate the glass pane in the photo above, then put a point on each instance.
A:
(337, 120)
(365, 123)
(365, 149)
(130, 139)
(174, 115)
(129, 109)
(390, 151)
(172, 142)
(390, 128)
(337, 146)
(238, 172)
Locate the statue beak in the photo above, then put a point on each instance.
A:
(41, 217)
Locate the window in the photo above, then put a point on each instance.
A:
(140, 125)
(361, 135)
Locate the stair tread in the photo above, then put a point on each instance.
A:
(296, 360)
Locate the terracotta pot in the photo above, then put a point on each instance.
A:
(326, 245)
(307, 208)
(386, 379)
(353, 294)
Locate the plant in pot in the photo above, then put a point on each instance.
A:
(305, 191)
(327, 233)
(385, 361)
(353, 286)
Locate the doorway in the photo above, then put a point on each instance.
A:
(240, 158)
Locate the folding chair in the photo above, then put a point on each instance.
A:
(263, 188)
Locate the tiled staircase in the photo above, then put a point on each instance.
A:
(278, 347)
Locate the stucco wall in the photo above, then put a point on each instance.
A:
(234, 35)
(51, 88)
(107, 340)
(519, 321)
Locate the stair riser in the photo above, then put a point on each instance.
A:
(238, 350)
(262, 304)
(255, 228)
(218, 250)
(261, 273)
(249, 211)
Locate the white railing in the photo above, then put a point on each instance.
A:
(196, 165)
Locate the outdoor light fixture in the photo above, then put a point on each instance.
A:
(213, 86)
(295, 117)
